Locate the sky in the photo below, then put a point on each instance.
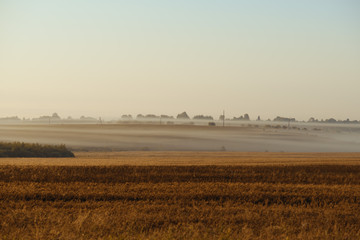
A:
(108, 58)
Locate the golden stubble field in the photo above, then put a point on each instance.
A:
(181, 195)
(185, 158)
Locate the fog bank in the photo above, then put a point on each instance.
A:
(141, 137)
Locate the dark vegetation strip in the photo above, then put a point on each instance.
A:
(318, 174)
(20, 149)
(258, 198)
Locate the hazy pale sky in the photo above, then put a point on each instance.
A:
(107, 58)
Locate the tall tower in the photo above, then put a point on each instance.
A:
(223, 118)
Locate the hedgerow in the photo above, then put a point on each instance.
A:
(20, 149)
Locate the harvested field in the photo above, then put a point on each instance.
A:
(255, 197)
(190, 158)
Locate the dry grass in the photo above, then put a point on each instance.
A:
(276, 200)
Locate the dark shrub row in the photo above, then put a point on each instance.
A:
(18, 149)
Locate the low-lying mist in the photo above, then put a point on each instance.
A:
(142, 137)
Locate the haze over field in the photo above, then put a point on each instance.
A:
(107, 58)
(94, 137)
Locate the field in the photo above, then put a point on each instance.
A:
(181, 195)
(249, 136)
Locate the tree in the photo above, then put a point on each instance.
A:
(312, 120)
(202, 117)
(183, 115)
(55, 115)
(126, 117)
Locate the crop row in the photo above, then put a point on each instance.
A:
(317, 174)
(263, 194)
